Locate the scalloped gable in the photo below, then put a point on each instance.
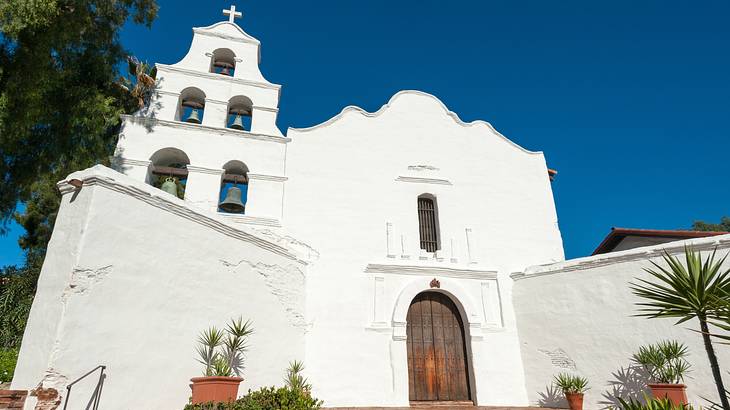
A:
(227, 30)
(410, 100)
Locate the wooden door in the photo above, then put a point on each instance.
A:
(437, 360)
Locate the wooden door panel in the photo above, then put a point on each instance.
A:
(437, 369)
(429, 362)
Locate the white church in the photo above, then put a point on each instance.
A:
(350, 245)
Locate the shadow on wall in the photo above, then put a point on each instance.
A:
(552, 397)
(629, 382)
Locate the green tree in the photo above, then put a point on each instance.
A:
(723, 226)
(698, 290)
(60, 99)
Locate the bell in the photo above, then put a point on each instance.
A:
(233, 203)
(169, 186)
(226, 71)
(193, 117)
(238, 123)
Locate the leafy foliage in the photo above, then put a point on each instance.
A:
(723, 226)
(8, 358)
(698, 290)
(222, 351)
(266, 398)
(652, 404)
(59, 94)
(665, 361)
(570, 384)
(17, 287)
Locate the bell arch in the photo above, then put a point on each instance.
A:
(240, 112)
(168, 168)
(191, 106)
(223, 62)
(233, 193)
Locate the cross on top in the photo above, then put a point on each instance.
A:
(232, 14)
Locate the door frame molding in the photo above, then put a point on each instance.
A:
(470, 314)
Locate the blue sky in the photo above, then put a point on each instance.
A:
(628, 100)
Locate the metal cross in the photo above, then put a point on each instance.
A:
(232, 14)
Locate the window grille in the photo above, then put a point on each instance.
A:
(427, 227)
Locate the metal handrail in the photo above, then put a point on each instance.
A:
(94, 401)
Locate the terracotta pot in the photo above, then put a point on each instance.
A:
(575, 400)
(215, 388)
(676, 393)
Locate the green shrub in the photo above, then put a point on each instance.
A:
(266, 398)
(8, 358)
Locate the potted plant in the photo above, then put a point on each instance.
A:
(221, 352)
(666, 364)
(573, 387)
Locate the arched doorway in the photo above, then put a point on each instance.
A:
(436, 343)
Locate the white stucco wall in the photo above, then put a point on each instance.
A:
(351, 193)
(576, 316)
(133, 275)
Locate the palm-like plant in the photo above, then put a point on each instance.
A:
(697, 290)
(652, 404)
(665, 361)
(142, 81)
(294, 379)
(221, 351)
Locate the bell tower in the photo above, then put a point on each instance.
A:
(211, 127)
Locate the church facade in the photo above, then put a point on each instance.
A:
(403, 255)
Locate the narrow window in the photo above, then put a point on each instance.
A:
(428, 223)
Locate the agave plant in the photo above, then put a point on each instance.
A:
(665, 361)
(698, 290)
(222, 351)
(570, 384)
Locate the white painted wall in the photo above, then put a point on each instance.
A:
(350, 177)
(576, 316)
(133, 274)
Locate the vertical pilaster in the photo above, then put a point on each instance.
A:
(203, 187)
